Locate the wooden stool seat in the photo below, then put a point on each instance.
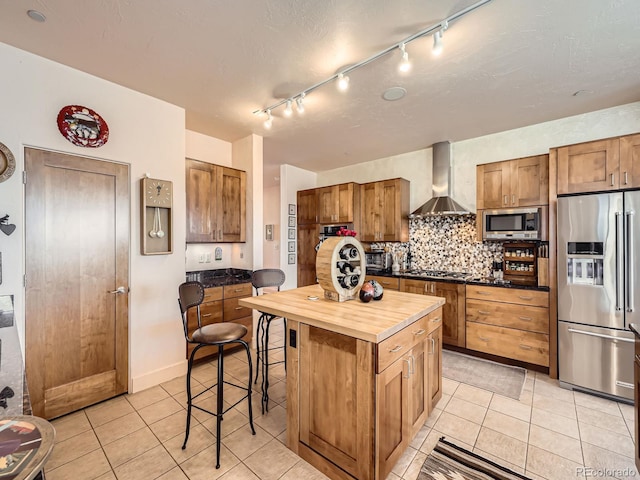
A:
(219, 333)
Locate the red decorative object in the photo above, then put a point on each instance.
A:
(344, 232)
(82, 126)
(366, 292)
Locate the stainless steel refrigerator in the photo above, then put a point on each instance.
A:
(598, 284)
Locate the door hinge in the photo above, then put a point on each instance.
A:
(24, 280)
(24, 177)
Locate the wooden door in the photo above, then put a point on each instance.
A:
(393, 429)
(202, 189)
(345, 202)
(307, 241)
(530, 181)
(370, 211)
(493, 185)
(453, 321)
(418, 388)
(589, 167)
(434, 344)
(77, 257)
(328, 204)
(307, 207)
(630, 161)
(231, 213)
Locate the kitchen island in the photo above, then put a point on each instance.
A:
(362, 378)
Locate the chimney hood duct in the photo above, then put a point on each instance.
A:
(441, 203)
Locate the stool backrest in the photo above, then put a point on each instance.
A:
(190, 294)
(267, 277)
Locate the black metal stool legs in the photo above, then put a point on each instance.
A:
(220, 398)
(189, 399)
(250, 406)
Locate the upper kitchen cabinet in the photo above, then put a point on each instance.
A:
(609, 164)
(385, 211)
(308, 206)
(513, 183)
(337, 203)
(215, 203)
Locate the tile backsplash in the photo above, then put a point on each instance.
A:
(448, 243)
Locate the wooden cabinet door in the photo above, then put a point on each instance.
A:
(307, 241)
(232, 209)
(419, 388)
(414, 286)
(395, 210)
(589, 167)
(370, 211)
(493, 187)
(328, 204)
(393, 430)
(434, 344)
(453, 316)
(630, 161)
(307, 206)
(530, 181)
(201, 185)
(346, 202)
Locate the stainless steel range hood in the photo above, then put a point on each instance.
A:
(441, 203)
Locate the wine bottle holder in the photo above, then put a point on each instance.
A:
(340, 268)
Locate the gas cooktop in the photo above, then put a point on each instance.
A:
(439, 274)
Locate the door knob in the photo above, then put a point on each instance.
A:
(120, 290)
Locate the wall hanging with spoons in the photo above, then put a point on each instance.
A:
(156, 207)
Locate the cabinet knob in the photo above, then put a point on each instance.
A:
(526, 319)
(522, 297)
(525, 347)
(513, 199)
(506, 199)
(612, 184)
(436, 320)
(206, 314)
(626, 178)
(433, 346)
(397, 348)
(417, 333)
(483, 339)
(484, 312)
(239, 308)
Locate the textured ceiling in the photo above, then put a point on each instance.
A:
(508, 64)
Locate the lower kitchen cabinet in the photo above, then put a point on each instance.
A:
(434, 357)
(389, 283)
(453, 312)
(220, 304)
(508, 322)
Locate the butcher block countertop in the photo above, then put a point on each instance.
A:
(373, 322)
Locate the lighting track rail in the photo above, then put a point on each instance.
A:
(343, 80)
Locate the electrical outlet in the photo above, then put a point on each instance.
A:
(208, 258)
(201, 258)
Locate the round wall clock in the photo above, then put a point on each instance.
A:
(7, 163)
(82, 126)
(158, 193)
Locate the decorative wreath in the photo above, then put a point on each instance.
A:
(7, 163)
(82, 126)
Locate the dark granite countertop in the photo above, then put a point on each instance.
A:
(470, 281)
(634, 328)
(220, 277)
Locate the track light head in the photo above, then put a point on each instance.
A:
(405, 64)
(299, 104)
(288, 110)
(269, 121)
(343, 82)
(437, 43)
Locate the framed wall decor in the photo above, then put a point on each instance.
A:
(156, 212)
(292, 221)
(292, 209)
(291, 247)
(292, 234)
(292, 258)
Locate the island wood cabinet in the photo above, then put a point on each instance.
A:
(385, 211)
(453, 311)
(359, 388)
(216, 203)
(220, 304)
(508, 322)
(513, 183)
(602, 165)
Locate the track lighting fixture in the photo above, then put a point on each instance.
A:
(343, 82)
(342, 78)
(269, 121)
(288, 110)
(405, 64)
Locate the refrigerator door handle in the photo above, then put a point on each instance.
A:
(619, 264)
(629, 247)
(599, 335)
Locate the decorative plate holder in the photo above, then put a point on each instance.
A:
(340, 268)
(156, 216)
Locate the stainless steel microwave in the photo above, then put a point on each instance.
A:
(515, 224)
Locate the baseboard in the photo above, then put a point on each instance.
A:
(157, 377)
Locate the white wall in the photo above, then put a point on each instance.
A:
(521, 142)
(271, 212)
(145, 133)
(292, 179)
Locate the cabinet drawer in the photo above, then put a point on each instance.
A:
(399, 343)
(233, 311)
(522, 317)
(386, 282)
(212, 294)
(508, 342)
(239, 290)
(534, 298)
(209, 313)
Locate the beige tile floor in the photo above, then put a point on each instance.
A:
(550, 433)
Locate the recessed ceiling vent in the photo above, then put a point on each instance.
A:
(441, 203)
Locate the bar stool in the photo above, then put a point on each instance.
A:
(267, 277)
(191, 294)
